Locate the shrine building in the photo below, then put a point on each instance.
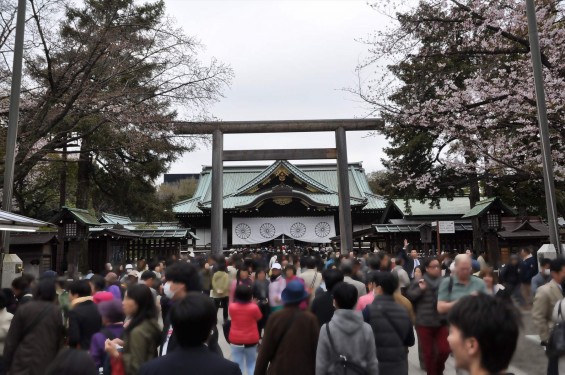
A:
(283, 203)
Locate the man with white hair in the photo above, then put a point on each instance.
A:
(460, 284)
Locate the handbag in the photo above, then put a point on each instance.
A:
(118, 366)
(556, 342)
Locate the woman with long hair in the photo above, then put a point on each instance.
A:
(242, 277)
(142, 335)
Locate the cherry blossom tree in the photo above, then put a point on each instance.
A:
(105, 81)
(453, 80)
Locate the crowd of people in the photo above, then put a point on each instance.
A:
(286, 310)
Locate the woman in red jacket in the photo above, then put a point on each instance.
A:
(244, 334)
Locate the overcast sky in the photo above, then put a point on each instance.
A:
(291, 60)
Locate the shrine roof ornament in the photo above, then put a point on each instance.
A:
(282, 169)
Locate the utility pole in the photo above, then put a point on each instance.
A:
(13, 120)
(438, 252)
(549, 182)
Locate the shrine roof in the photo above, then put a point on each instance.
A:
(244, 184)
(483, 206)
(114, 219)
(78, 214)
(455, 206)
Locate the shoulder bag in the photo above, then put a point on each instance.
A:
(341, 360)
(556, 342)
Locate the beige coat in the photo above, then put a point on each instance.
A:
(5, 320)
(220, 285)
(544, 302)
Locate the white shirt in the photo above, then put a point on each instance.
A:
(416, 264)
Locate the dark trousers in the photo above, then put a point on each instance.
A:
(265, 311)
(516, 292)
(435, 346)
(553, 366)
(223, 303)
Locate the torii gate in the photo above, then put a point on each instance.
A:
(218, 129)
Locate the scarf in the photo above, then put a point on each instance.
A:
(76, 301)
(431, 282)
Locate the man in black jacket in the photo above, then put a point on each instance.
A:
(510, 278)
(391, 326)
(323, 304)
(411, 264)
(528, 269)
(84, 318)
(192, 318)
(181, 278)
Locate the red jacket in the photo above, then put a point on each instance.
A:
(244, 317)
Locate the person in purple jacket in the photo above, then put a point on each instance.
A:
(113, 321)
(112, 285)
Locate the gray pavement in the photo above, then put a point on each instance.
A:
(529, 358)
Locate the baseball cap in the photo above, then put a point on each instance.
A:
(134, 273)
(111, 277)
(277, 266)
(129, 267)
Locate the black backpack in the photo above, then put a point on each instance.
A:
(342, 362)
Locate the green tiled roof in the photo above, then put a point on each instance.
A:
(485, 205)
(239, 179)
(114, 219)
(83, 216)
(456, 206)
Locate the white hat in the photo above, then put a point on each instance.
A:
(277, 266)
(129, 266)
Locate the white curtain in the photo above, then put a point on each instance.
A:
(246, 231)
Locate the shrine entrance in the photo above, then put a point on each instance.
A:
(218, 129)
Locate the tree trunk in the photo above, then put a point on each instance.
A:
(489, 191)
(63, 179)
(474, 197)
(83, 176)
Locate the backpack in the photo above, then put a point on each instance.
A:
(342, 362)
(106, 361)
